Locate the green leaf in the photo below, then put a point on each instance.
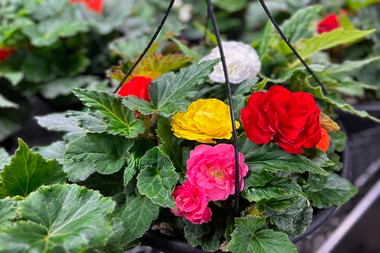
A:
(105, 152)
(318, 157)
(257, 178)
(273, 189)
(157, 62)
(107, 185)
(76, 171)
(231, 5)
(244, 87)
(278, 204)
(114, 17)
(336, 191)
(119, 119)
(350, 65)
(47, 32)
(91, 121)
(128, 48)
(170, 145)
(308, 47)
(210, 35)
(295, 71)
(7, 212)
(139, 148)
(60, 123)
(316, 91)
(171, 92)
(187, 51)
(130, 170)
(52, 64)
(157, 178)
(272, 158)
(61, 216)
(338, 141)
(248, 238)
(61, 87)
(12, 119)
(315, 183)
(260, 85)
(357, 4)
(133, 221)
(13, 76)
(294, 220)
(137, 104)
(27, 171)
(5, 103)
(299, 25)
(265, 37)
(206, 235)
(4, 158)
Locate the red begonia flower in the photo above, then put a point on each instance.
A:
(5, 53)
(137, 86)
(94, 5)
(328, 24)
(291, 119)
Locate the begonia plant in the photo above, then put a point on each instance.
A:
(158, 153)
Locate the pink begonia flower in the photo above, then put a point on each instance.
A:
(213, 169)
(191, 203)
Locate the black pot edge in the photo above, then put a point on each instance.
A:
(167, 244)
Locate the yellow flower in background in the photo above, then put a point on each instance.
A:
(204, 120)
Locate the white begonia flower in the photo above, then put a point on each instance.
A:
(185, 13)
(242, 62)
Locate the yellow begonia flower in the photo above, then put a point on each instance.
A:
(204, 120)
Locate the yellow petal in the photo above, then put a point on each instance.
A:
(327, 123)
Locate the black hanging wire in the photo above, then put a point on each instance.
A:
(228, 87)
(206, 26)
(290, 45)
(159, 28)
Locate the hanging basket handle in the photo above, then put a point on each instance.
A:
(271, 18)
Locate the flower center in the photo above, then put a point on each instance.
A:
(217, 174)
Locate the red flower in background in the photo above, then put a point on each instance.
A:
(328, 24)
(137, 86)
(291, 119)
(5, 53)
(95, 5)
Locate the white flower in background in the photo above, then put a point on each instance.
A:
(242, 62)
(184, 11)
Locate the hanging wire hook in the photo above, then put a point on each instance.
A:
(159, 28)
(290, 45)
(228, 86)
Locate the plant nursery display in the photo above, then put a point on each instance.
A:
(171, 150)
